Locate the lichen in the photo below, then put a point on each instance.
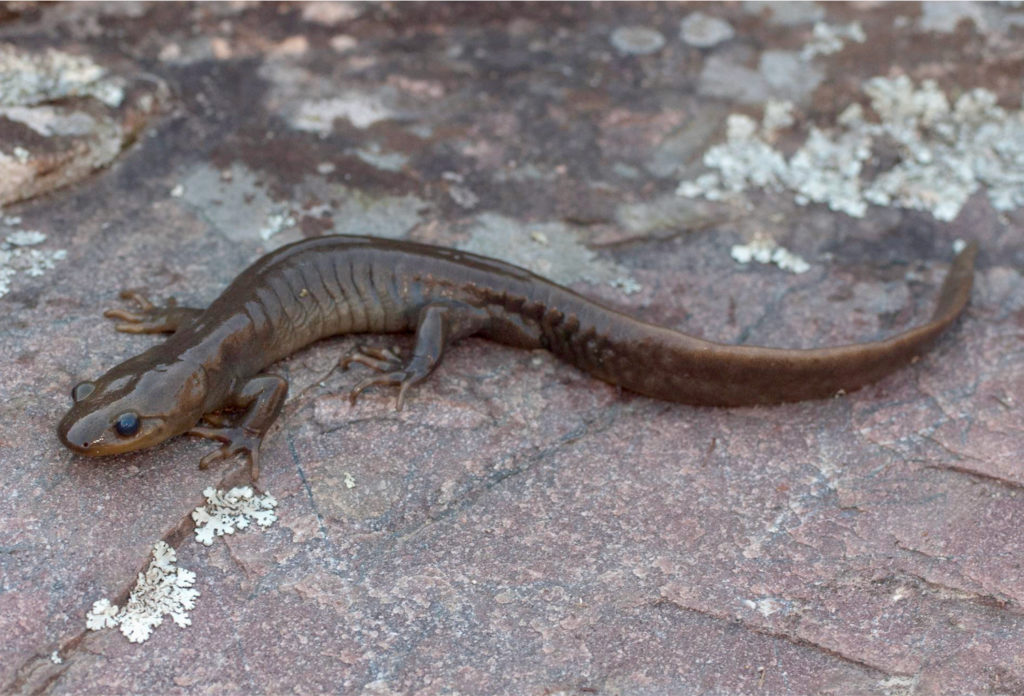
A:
(459, 192)
(827, 39)
(28, 78)
(275, 223)
(163, 589)
(226, 512)
(765, 250)
(16, 256)
(637, 40)
(361, 110)
(704, 31)
(945, 153)
(375, 156)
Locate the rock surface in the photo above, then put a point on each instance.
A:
(520, 527)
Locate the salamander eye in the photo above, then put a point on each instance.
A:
(82, 390)
(127, 424)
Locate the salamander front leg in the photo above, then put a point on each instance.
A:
(262, 398)
(149, 318)
(439, 325)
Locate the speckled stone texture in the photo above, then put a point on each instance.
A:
(521, 528)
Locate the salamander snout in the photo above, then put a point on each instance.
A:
(82, 435)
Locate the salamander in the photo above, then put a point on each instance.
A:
(208, 379)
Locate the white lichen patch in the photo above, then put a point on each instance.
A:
(226, 512)
(768, 606)
(704, 31)
(163, 589)
(897, 685)
(764, 250)
(26, 238)
(945, 152)
(276, 222)
(463, 196)
(331, 13)
(50, 121)
(362, 110)
(637, 41)
(626, 285)
(827, 39)
(17, 256)
(374, 156)
(28, 78)
(778, 114)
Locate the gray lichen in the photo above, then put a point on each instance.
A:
(18, 256)
(375, 156)
(945, 153)
(163, 589)
(33, 78)
(830, 38)
(226, 512)
(704, 31)
(637, 40)
(361, 109)
(763, 250)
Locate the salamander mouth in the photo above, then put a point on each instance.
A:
(84, 449)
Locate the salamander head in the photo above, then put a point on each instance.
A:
(138, 404)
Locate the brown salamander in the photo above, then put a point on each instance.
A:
(212, 364)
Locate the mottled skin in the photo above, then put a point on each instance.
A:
(211, 367)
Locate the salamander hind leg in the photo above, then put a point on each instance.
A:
(149, 318)
(262, 398)
(439, 325)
